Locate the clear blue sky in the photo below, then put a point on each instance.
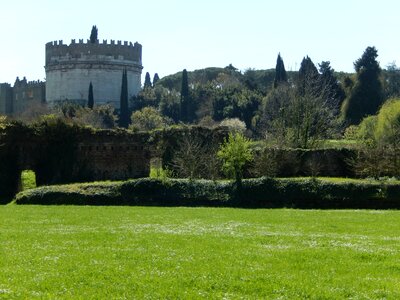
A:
(178, 34)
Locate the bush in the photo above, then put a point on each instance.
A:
(176, 192)
(101, 193)
(387, 127)
(255, 193)
(366, 129)
(379, 152)
(235, 153)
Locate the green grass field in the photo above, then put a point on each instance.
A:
(72, 252)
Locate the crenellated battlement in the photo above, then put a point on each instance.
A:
(81, 41)
(25, 83)
(57, 51)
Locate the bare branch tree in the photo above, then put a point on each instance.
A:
(301, 118)
(195, 159)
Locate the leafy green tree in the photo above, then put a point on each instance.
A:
(147, 119)
(280, 72)
(155, 79)
(379, 146)
(251, 79)
(90, 97)
(366, 95)
(235, 153)
(233, 102)
(124, 110)
(391, 80)
(145, 98)
(147, 81)
(170, 105)
(93, 34)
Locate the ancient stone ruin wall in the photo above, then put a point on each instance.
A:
(5, 99)
(27, 94)
(114, 157)
(71, 68)
(60, 153)
(24, 95)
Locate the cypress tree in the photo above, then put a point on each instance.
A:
(90, 97)
(185, 98)
(147, 81)
(93, 34)
(280, 72)
(307, 69)
(366, 96)
(155, 79)
(124, 112)
(308, 74)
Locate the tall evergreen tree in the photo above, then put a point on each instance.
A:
(155, 79)
(366, 96)
(147, 81)
(308, 75)
(90, 97)
(124, 111)
(185, 98)
(93, 34)
(280, 72)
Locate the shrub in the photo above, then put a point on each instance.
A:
(101, 193)
(235, 152)
(255, 193)
(387, 126)
(160, 173)
(366, 129)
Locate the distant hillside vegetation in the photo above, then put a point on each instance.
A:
(261, 80)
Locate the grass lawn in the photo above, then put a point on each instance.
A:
(78, 252)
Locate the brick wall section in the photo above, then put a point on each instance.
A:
(109, 157)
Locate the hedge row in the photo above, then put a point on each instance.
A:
(254, 193)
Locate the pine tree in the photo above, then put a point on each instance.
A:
(90, 97)
(155, 79)
(93, 34)
(366, 96)
(185, 98)
(124, 112)
(280, 72)
(147, 81)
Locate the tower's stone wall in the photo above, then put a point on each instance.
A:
(71, 68)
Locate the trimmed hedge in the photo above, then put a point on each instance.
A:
(254, 193)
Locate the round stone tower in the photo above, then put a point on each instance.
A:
(71, 68)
